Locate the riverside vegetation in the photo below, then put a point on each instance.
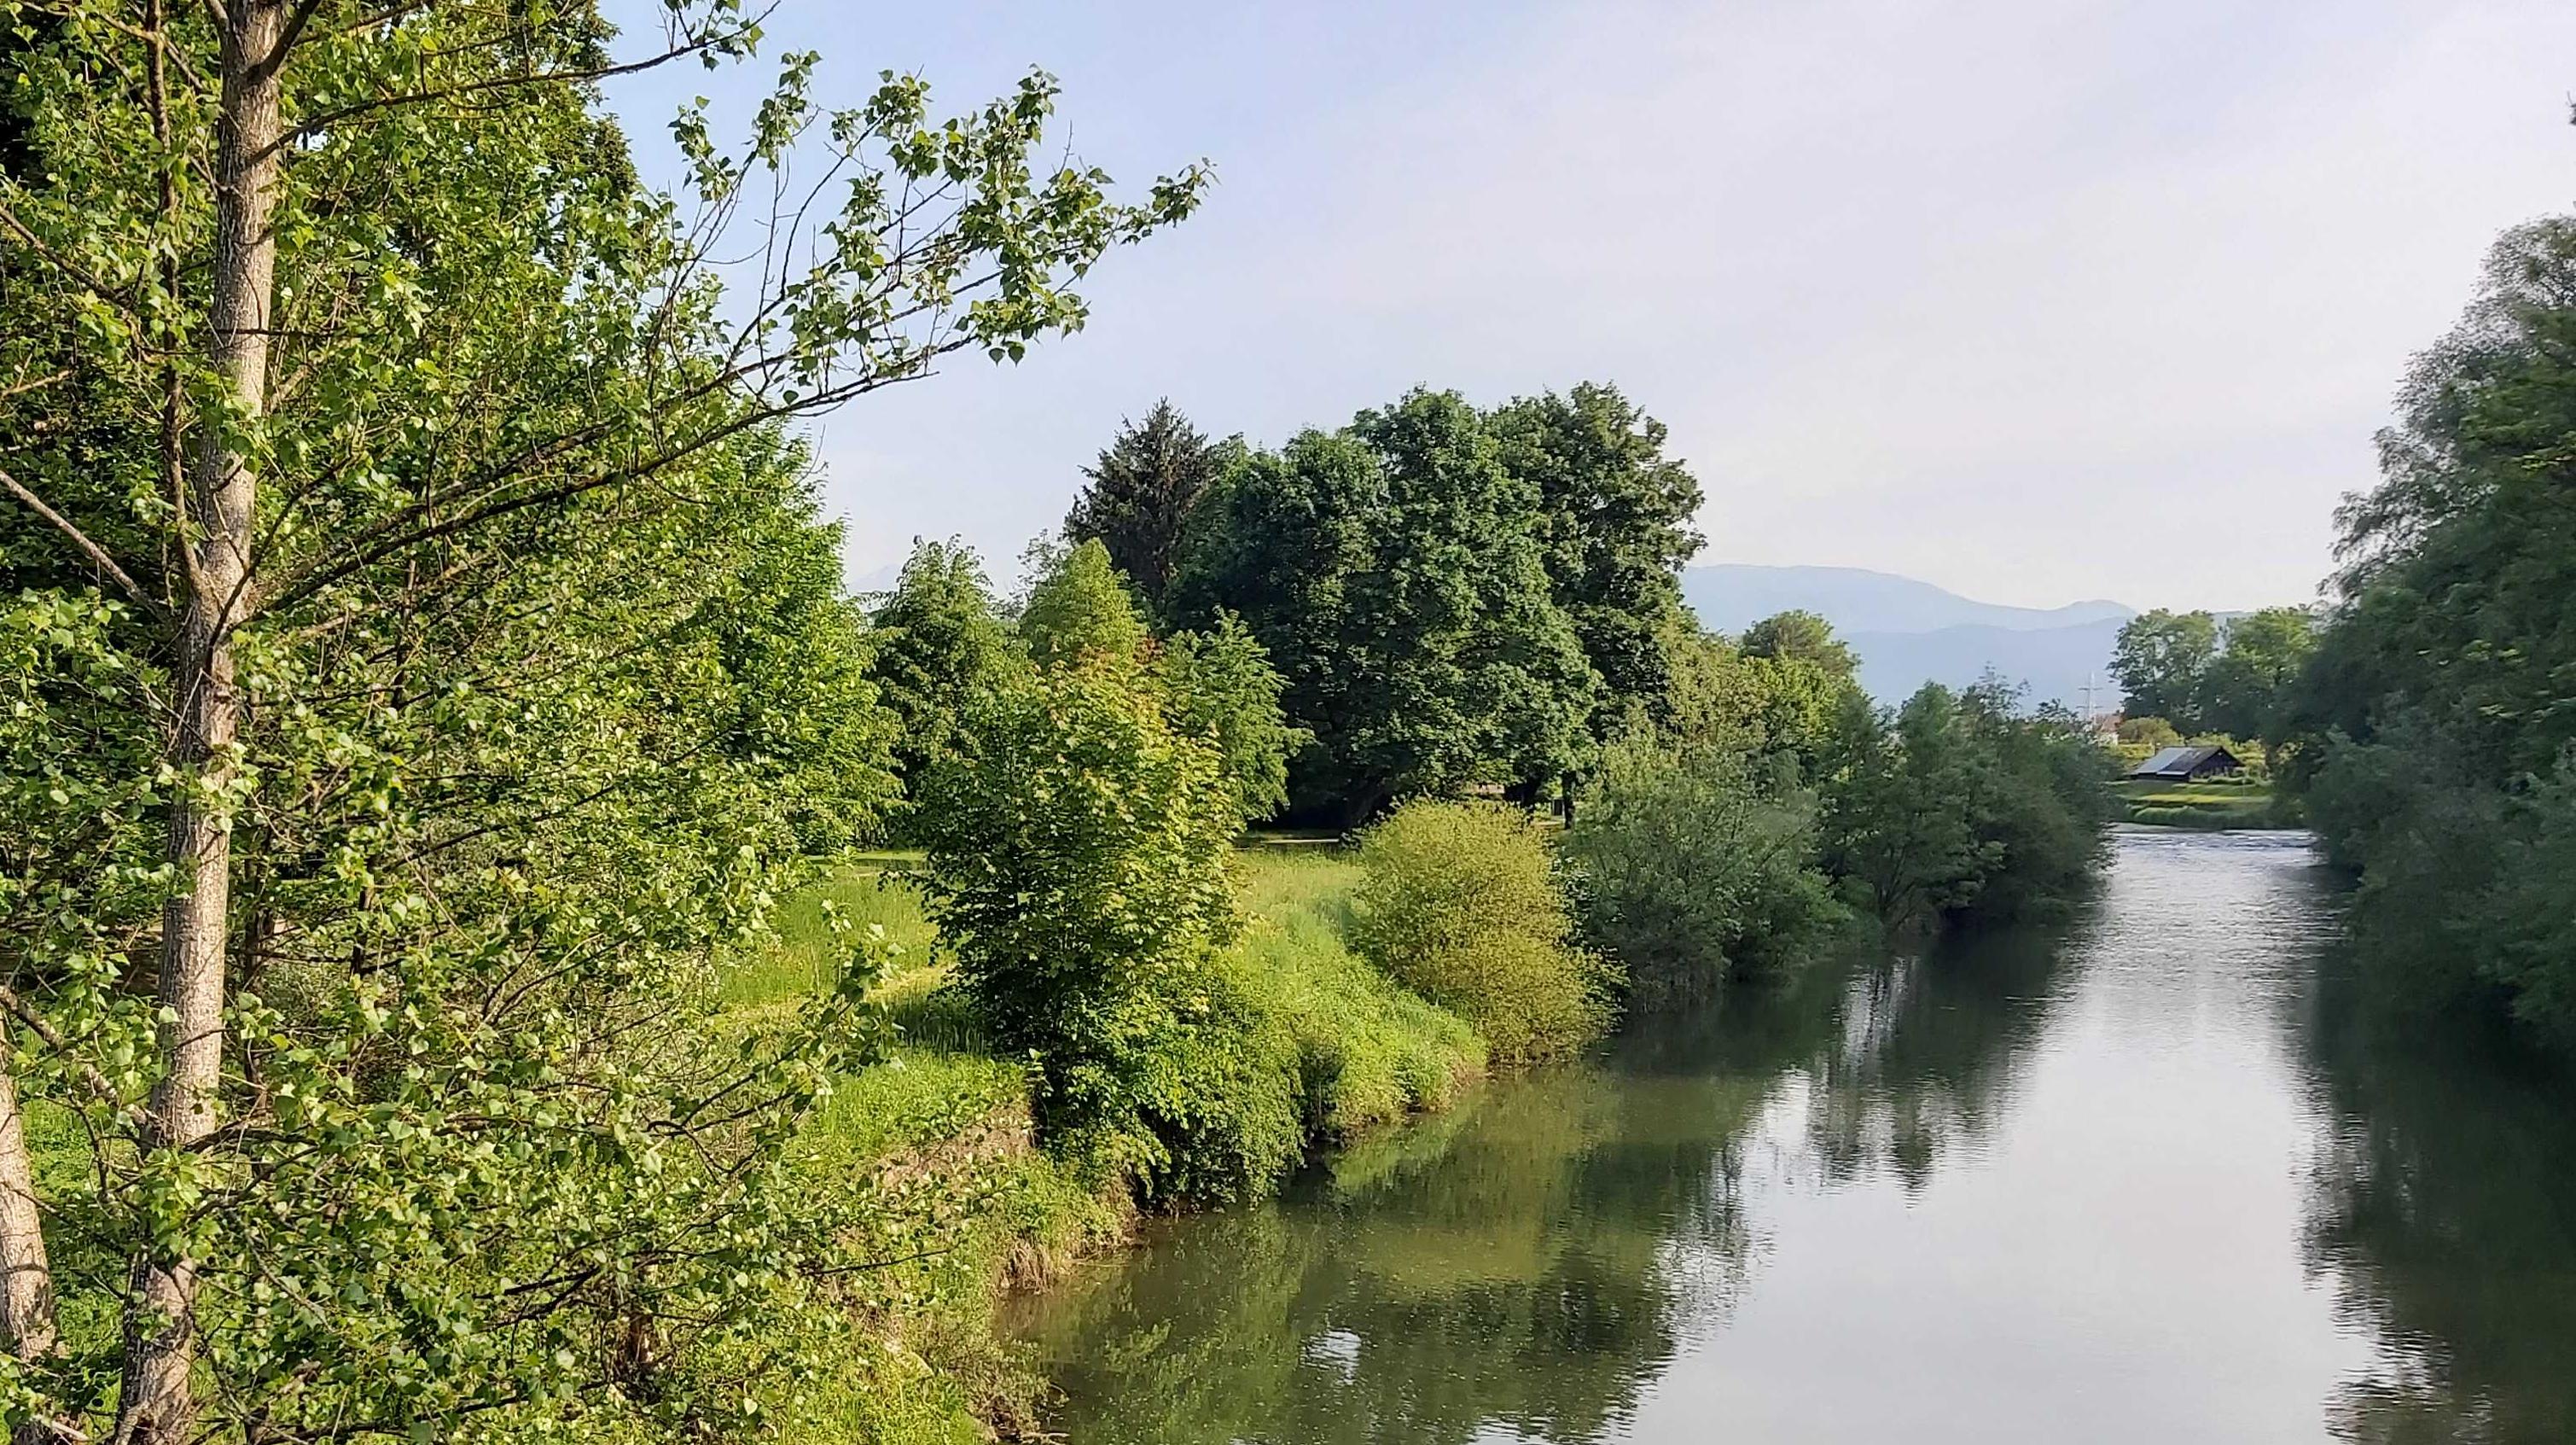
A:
(2435, 734)
(438, 999)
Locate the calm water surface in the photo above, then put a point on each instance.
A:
(2157, 1176)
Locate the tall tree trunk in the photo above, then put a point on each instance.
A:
(155, 1404)
(27, 1327)
(26, 1277)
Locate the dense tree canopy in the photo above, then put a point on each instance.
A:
(2435, 718)
(2205, 676)
(1614, 526)
(2162, 661)
(1796, 636)
(2246, 688)
(935, 646)
(1393, 573)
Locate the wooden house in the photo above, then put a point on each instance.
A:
(2188, 765)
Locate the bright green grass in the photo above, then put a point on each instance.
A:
(2240, 803)
(1370, 1050)
(807, 956)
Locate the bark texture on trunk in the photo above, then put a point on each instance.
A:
(27, 1325)
(155, 1404)
(26, 1276)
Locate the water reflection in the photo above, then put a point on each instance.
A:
(2444, 1206)
(2152, 1177)
(1528, 1263)
(1929, 1054)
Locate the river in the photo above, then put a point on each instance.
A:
(2156, 1175)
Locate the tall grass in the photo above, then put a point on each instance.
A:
(1369, 1051)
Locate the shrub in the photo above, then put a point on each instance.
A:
(1958, 805)
(1078, 852)
(1695, 874)
(1459, 902)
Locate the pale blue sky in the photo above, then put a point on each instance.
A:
(1954, 290)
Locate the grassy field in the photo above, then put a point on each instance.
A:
(2227, 804)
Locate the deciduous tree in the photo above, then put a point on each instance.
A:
(419, 660)
(1393, 573)
(2162, 660)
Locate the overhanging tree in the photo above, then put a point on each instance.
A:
(394, 497)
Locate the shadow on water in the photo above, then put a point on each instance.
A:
(1527, 1263)
(2443, 1208)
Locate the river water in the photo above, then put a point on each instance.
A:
(2158, 1175)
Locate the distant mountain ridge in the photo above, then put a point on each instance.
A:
(1908, 632)
(1730, 596)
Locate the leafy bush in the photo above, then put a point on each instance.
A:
(1078, 850)
(1459, 902)
(1695, 874)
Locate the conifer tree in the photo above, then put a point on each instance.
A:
(1141, 492)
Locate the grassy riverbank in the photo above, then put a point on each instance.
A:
(2242, 803)
(938, 1135)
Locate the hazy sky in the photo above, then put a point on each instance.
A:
(2038, 301)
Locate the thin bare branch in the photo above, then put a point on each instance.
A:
(96, 553)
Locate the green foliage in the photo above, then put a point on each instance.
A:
(476, 672)
(2200, 676)
(2150, 733)
(1078, 613)
(1460, 902)
(1219, 685)
(935, 647)
(2247, 687)
(1614, 528)
(2433, 718)
(1695, 873)
(1393, 572)
(1795, 636)
(1140, 493)
(1077, 855)
(2162, 660)
(1958, 807)
(1369, 1052)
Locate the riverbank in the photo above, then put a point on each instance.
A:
(2229, 804)
(967, 1209)
(2144, 1177)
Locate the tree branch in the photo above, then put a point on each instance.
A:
(80, 539)
(583, 76)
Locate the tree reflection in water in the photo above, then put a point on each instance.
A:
(2443, 1205)
(1527, 1264)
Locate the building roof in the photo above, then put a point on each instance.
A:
(2180, 762)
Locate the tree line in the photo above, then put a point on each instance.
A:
(1437, 601)
(427, 668)
(2233, 678)
(2436, 722)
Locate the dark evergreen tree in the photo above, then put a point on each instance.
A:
(1141, 492)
